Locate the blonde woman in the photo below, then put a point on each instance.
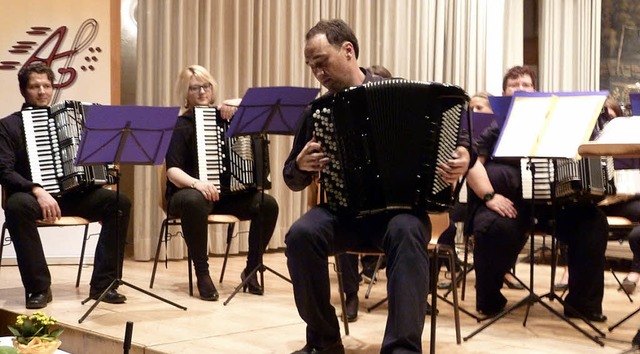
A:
(192, 199)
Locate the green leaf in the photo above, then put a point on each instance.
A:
(57, 332)
(14, 331)
(8, 350)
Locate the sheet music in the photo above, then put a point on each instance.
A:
(527, 118)
(570, 124)
(549, 125)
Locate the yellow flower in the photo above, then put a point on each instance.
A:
(38, 325)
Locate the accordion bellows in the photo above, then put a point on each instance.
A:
(384, 140)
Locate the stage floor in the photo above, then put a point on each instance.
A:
(270, 323)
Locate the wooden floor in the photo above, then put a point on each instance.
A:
(270, 323)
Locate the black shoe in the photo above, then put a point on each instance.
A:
(592, 316)
(352, 304)
(111, 297)
(429, 309)
(39, 300)
(628, 286)
(368, 274)
(445, 284)
(206, 288)
(636, 340)
(490, 313)
(335, 348)
(516, 286)
(252, 284)
(561, 286)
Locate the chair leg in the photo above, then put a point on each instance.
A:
(454, 286)
(84, 246)
(230, 229)
(190, 273)
(465, 265)
(343, 302)
(163, 230)
(434, 299)
(374, 277)
(4, 229)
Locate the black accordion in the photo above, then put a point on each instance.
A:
(52, 136)
(587, 180)
(384, 140)
(234, 164)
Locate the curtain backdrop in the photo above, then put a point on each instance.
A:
(252, 43)
(570, 45)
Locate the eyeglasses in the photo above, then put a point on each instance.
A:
(197, 88)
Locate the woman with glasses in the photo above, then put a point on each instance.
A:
(192, 199)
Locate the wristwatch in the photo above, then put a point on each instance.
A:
(487, 197)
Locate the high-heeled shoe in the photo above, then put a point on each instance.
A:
(252, 284)
(628, 286)
(510, 285)
(206, 288)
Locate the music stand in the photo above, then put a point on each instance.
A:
(546, 117)
(634, 99)
(125, 134)
(268, 110)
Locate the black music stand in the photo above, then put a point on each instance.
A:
(273, 110)
(125, 134)
(518, 139)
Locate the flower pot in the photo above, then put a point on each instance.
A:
(37, 346)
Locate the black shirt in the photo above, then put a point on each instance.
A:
(182, 151)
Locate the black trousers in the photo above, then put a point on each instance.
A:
(22, 210)
(582, 227)
(630, 210)
(193, 209)
(403, 238)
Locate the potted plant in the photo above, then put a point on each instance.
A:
(35, 334)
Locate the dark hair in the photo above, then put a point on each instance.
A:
(337, 32)
(612, 103)
(516, 72)
(380, 71)
(37, 67)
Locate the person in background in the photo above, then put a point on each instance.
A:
(499, 218)
(331, 52)
(26, 202)
(627, 207)
(193, 199)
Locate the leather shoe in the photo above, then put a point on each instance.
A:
(352, 307)
(111, 297)
(252, 284)
(429, 309)
(593, 316)
(335, 348)
(636, 340)
(561, 286)
(39, 300)
(516, 286)
(628, 286)
(206, 288)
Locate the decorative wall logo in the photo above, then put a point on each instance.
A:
(51, 52)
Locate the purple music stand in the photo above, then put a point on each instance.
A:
(273, 110)
(125, 135)
(634, 98)
(269, 110)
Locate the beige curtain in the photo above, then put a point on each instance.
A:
(250, 43)
(570, 45)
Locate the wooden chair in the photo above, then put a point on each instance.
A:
(218, 219)
(62, 222)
